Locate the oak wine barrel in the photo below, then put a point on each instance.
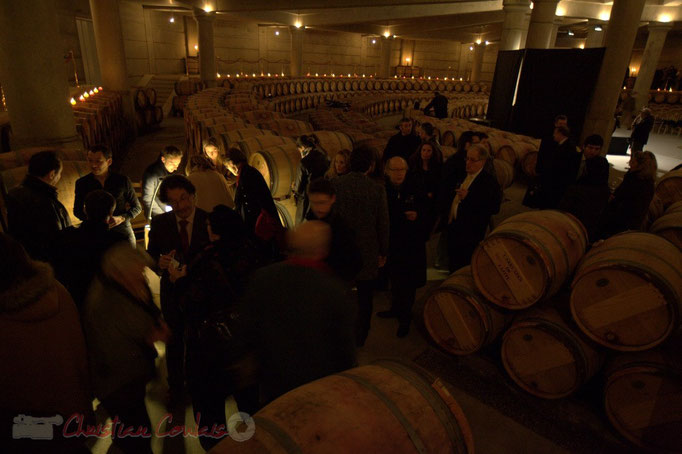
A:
(458, 318)
(256, 143)
(643, 399)
(151, 95)
(141, 100)
(669, 187)
(331, 142)
(388, 406)
(286, 127)
(286, 209)
(627, 291)
(230, 138)
(278, 165)
(528, 164)
(528, 257)
(669, 226)
(504, 173)
(656, 210)
(545, 356)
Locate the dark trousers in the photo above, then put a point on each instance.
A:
(210, 403)
(127, 403)
(402, 299)
(175, 347)
(636, 145)
(364, 318)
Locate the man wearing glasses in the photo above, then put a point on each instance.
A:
(474, 201)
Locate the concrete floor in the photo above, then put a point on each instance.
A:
(503, 418)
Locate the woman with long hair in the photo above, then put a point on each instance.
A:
(340, 165)
(630, 201)
(427, 166)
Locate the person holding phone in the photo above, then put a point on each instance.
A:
(174, 239)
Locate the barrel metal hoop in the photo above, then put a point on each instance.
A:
(411, 432)
(423, 384)
(283, 438)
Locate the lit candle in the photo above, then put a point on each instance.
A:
(73, 102)
(96, 90)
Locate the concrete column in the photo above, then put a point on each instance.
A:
(208, 69)
(555, 32)
(463, 60)
(109, 42)
(541, 24)
(595, 38)
(296, 66)
(623, 25)
(32, 72)
(386, 48)
(477, 64)
(652, 53)
(514, 26)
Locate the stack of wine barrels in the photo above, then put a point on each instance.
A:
(388, 406)
(574, 312)
(100, 120)
(663, 217)
(147, 113)
(183, 90)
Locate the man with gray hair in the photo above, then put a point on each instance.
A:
(475, 200)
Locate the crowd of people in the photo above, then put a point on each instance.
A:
(248, 308)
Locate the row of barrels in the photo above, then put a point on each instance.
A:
(266, 88)
(184, 89)
(658, 96)
(99, 119)
(561, 311)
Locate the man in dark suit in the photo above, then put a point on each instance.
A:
(548, 146)
(168, 162)
(560, 169)
(587, 198)
(641, 128)
(476, 199)
(174, 239)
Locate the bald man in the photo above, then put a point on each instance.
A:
(302, 321)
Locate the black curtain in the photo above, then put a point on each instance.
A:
(553, 82)
(502, 90)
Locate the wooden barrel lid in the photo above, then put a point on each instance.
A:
(543, 358)
(643, 401)
(626, 291)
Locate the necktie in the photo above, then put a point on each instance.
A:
(184, 237)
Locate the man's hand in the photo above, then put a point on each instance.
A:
(411, 215)
(165, 260)
(177, 273)
(462, 193)
(116, 220)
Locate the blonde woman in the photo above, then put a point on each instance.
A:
(340, 165)
(212, 187)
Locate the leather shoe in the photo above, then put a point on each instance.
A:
(387, 314)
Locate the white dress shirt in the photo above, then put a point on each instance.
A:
(456, 201)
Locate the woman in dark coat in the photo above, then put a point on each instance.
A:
(406, 264)
(209, 288)
(630, 201)
(314, 163)
(426, 164)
